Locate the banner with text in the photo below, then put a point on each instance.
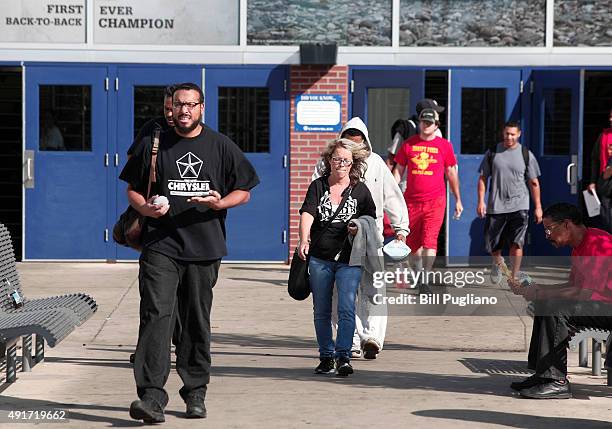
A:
(44, 21)
(157, 22)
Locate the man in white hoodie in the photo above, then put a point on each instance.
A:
(371, 329)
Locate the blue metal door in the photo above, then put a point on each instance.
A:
(481, 101)
(249, 104)
(555, 141)
(137, 87)
(382, 96)
(66, 117)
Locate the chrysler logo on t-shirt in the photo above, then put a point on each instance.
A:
(189, 167)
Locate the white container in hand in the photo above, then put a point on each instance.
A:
(161, 201)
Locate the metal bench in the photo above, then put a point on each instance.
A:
(50, 319)
(82, 305)
(578, 340)
(48, 325)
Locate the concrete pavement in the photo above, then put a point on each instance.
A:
(435, 371)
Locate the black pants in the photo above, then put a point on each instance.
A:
(168, 285)
(551, 327)
(606, 214)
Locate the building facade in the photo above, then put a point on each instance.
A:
(79, 77)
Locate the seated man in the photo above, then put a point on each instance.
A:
(584, 301)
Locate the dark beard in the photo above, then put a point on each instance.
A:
(187, 130)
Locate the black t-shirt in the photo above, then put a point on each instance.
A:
(187, 167)
(145, 133)
(335, 238)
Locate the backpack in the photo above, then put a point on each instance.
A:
(493, 151)
(405, 127)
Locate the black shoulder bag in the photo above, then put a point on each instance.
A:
(128, 231)
(298, 285)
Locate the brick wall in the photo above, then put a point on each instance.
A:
(305, 148)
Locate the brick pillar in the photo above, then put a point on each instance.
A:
(305, 148)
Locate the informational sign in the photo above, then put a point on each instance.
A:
(43, 21)
(318, 113)
(159, 22)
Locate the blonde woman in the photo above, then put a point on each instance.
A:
(341, 190)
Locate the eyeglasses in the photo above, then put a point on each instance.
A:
(548, 231)
(342, 161)
(189, 105)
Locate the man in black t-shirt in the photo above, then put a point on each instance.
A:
(202, 173)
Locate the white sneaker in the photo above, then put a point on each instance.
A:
(496, 274)
(356, 353)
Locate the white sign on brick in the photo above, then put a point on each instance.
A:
(318, 112)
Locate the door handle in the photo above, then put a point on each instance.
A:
(29, 169)
(568, 173)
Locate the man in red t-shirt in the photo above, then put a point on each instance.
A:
(428, 158)
(584, 301)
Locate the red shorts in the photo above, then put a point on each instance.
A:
(426, 218)
(388, 230)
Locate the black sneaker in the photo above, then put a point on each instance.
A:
(147, 410)
(343, 368)
(326, 366)
(195, 408)
(554, 389)
(530, 381)
(424, 289)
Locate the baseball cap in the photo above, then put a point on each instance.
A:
(429, 115)
(428, 103)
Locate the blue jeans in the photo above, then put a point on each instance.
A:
(323, 275)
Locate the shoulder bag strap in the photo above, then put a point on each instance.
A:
(526, 159)
(491, 155)
(347, 193)
(153, 165)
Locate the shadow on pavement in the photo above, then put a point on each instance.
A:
(513, 419)
(257, 340)
(267, 281)
(74, 412)
(268, 341)
(496, 385)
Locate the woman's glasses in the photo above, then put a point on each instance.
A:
(342, 161)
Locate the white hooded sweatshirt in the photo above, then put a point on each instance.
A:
(380, 181)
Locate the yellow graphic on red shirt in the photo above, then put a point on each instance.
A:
(423, 160)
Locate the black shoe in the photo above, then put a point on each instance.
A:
(195, 408)
(424, 289)
(327, 366)
(343, 368)
(132, 357)
(370, 349)
(147, 410)
(530, 381)
(551, 390)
